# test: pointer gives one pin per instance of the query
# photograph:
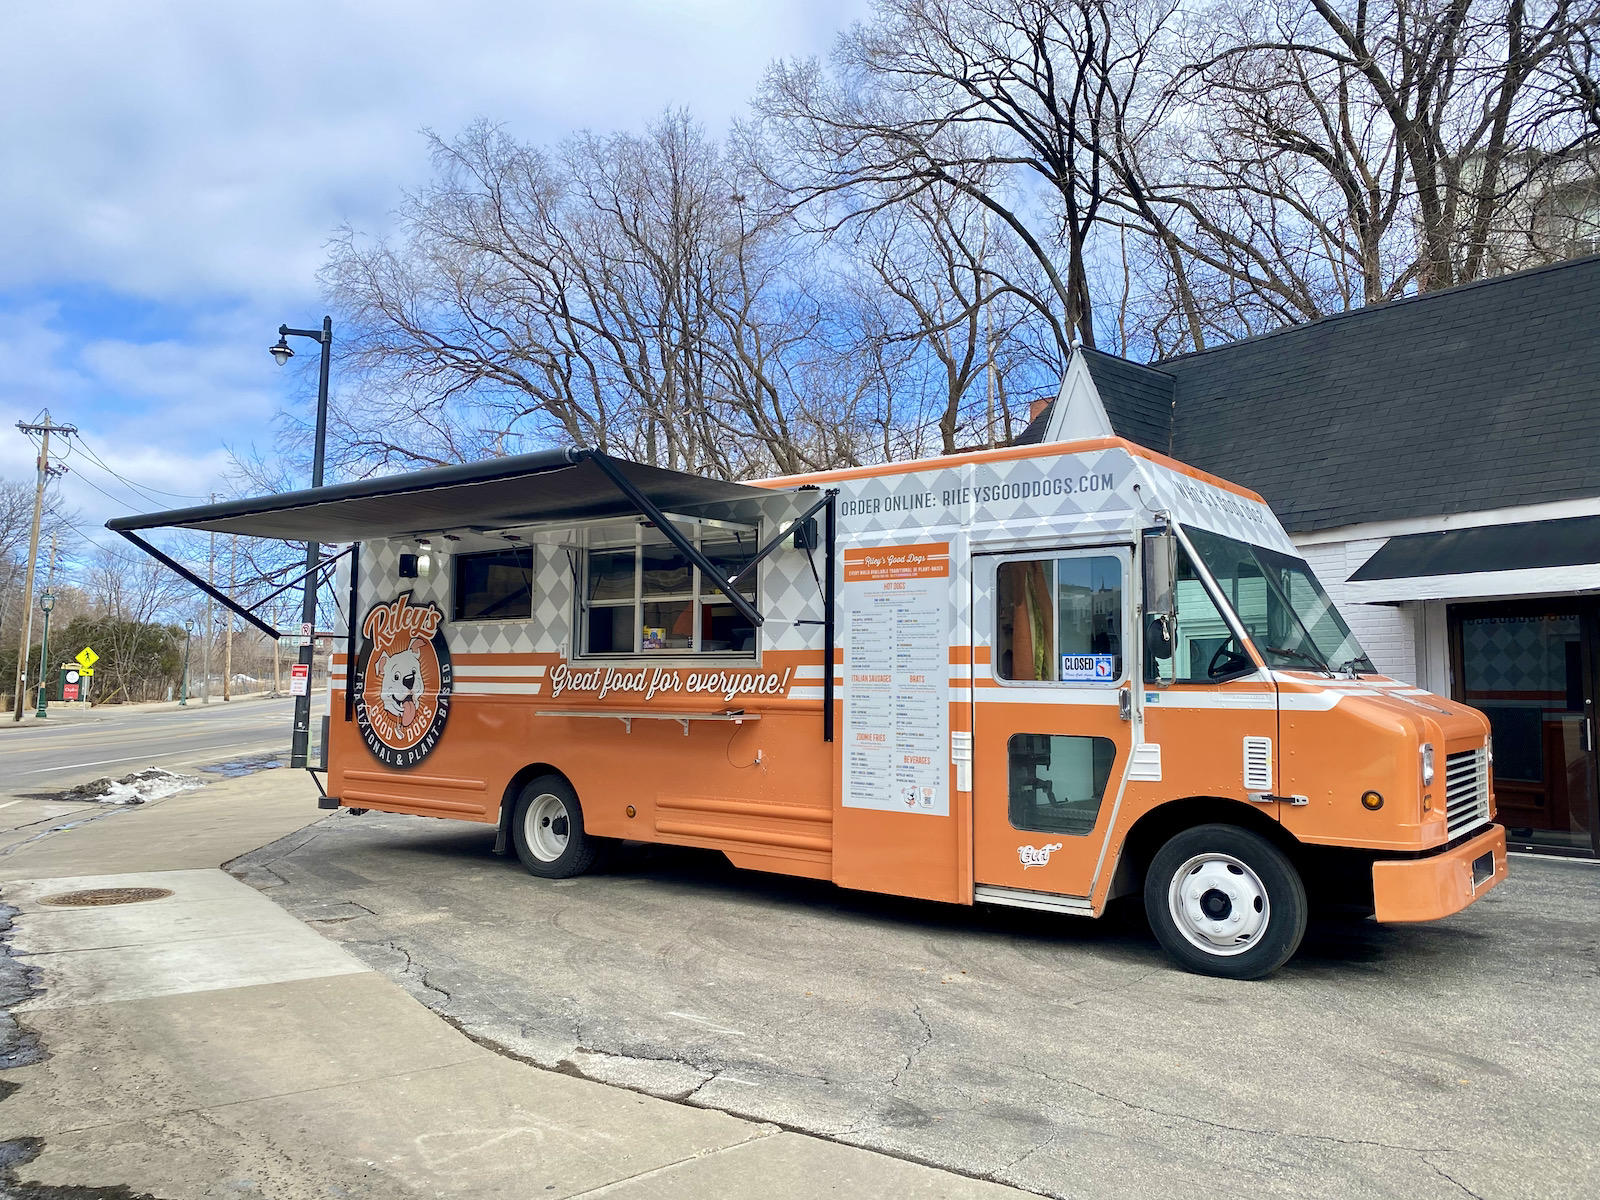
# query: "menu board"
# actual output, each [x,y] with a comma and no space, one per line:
[897,678]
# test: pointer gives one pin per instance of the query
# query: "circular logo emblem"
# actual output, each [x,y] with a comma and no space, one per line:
[403,681]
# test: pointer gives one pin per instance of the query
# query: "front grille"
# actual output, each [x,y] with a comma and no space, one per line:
[1466,789]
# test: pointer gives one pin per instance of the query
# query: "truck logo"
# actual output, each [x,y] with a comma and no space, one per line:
[402,681]
[1037,856]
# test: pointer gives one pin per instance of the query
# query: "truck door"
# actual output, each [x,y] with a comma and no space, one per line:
[1053,649]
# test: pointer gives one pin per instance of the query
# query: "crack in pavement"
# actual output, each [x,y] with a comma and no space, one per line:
[1440,1171]
[413,969]
[1282,1133]
[911,1056]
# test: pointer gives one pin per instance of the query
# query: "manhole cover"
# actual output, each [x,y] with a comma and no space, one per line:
[95,897]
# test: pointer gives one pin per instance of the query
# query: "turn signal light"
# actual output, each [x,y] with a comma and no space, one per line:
[1371,801]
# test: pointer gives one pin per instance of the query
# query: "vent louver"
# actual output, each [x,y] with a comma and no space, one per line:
[1257,764]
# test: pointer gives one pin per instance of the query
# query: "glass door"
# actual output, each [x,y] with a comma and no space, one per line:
[1530,667]
[1051,739]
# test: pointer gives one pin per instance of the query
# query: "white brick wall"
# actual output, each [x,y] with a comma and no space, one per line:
[1386,632]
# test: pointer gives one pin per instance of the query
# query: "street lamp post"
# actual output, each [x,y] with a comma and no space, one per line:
[46,602]
[300,745]
[183,687]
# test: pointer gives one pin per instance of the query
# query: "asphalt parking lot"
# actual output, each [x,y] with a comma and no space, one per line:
[1059,1055]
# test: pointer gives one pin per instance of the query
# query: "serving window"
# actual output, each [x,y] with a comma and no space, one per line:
[495,586]
[645,597]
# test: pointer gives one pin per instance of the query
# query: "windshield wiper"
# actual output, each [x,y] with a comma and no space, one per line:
[1316,661]
[1349,668]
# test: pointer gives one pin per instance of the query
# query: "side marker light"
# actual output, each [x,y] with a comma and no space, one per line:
[1371,801]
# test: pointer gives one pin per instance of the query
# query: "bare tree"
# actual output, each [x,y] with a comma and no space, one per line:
[991,98]
[939,276]
[630,292]
[1318,155]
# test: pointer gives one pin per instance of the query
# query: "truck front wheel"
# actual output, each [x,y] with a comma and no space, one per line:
[1224,901]
[547,830]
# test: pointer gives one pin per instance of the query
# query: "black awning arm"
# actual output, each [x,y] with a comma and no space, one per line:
[647,508]
[350,642]
[778,541]
[829,631]
[322,565]
[223,598]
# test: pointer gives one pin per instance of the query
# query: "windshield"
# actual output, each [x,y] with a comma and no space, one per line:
[1282,606]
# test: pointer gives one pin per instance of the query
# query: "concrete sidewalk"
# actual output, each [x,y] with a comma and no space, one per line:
[205,1043]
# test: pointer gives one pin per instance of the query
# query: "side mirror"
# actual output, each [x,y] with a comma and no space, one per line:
[1158,637]
[1161,574]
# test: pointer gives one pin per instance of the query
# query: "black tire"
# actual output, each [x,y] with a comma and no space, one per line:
[547,830]
[1243,914]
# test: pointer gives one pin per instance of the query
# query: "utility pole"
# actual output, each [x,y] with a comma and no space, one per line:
[46,428]
[227,621]
[211,578]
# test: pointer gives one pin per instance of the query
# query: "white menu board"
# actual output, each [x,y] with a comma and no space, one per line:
[897,678]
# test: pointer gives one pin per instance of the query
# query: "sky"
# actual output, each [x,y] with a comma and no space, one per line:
[173,172]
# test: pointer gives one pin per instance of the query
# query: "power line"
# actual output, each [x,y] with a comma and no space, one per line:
[142,489]
[115,500]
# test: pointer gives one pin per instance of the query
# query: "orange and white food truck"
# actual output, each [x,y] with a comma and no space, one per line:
[1047,676]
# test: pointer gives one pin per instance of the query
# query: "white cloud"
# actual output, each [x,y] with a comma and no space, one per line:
[175,168]
[170,148]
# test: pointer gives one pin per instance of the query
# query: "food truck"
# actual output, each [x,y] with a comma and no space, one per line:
[1047,676]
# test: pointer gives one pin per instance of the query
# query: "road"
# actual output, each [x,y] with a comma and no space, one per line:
[46,757]
[1064,1056]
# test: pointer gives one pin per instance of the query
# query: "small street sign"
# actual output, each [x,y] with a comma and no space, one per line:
[299,680]
[86,672]
[305,629]
[87,657]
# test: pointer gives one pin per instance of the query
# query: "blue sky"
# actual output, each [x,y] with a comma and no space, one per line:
[172,172]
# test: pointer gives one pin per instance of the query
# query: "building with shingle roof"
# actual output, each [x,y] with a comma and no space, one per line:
[1437,460]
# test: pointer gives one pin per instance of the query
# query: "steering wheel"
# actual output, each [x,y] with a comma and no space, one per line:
[1229,659]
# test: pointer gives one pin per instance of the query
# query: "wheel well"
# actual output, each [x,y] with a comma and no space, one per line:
[508,798]
[1151,831]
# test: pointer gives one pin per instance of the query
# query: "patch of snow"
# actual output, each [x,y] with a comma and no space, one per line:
[152,783]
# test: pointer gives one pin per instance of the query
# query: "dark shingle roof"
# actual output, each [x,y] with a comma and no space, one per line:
[1482,396]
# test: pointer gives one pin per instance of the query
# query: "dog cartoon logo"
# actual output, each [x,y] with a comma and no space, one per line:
[402,681]
[401,673]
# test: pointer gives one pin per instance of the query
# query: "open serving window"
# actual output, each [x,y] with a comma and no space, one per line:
[639,593]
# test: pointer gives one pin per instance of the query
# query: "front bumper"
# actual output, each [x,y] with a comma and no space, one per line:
[1425,889]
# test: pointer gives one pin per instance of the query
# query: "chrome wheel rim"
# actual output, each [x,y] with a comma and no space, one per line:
[547,827]
[1219,904]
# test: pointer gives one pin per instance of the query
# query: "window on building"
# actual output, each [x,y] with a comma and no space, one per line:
[648,598]
[1059,620]
[496,586]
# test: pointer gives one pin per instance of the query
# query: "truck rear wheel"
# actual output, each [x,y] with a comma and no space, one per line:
[1224,901]
[547,830]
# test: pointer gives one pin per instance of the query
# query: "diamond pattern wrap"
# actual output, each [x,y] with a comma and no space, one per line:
[973,505]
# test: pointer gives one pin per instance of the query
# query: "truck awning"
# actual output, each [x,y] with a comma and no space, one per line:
[504,494]
[1526,558]
[498,493]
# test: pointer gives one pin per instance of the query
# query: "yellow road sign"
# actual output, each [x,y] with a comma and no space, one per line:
[87,656]
[85,671]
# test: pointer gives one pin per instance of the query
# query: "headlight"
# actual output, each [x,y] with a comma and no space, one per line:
[1427,764]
